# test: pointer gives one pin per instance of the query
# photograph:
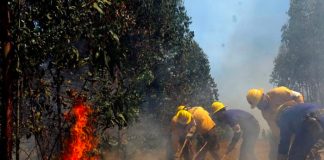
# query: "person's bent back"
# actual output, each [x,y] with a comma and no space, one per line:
[243,124]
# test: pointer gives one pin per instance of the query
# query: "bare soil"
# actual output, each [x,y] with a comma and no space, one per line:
[261,150]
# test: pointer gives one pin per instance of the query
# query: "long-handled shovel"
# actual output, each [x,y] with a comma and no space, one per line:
[181,150]
[196,155]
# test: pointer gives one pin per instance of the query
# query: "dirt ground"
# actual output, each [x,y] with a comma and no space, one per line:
[261,151]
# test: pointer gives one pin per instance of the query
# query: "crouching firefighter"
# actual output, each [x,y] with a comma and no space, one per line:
[177,138]
[243,124]
[197,122]
[306,122]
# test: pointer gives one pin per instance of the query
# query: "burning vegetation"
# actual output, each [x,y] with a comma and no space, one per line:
[81,143]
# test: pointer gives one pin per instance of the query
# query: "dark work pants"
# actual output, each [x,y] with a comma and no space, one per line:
[212,145]
[171,153]
[306,137]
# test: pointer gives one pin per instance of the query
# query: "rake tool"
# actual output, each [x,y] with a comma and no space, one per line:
[196,155]
[181,150]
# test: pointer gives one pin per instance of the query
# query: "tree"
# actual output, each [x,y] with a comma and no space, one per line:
[6,110]
[65,45]
[298,64]
[122,55]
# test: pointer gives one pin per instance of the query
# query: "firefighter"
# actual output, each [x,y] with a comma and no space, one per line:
[178,136]
[268,104]
[196,121]
[305,122]
[243,124]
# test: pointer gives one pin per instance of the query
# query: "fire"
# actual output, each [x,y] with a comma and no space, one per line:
[82,142]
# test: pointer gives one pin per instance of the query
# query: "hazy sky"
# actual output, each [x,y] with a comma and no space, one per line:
[241,39]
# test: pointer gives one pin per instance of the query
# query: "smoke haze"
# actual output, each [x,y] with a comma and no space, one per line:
[241,40]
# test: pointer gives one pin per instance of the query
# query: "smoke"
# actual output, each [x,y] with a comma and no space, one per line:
[241,40]
[145,140]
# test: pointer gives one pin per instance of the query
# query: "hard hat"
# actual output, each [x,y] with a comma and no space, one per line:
[254,96]
[183,117]
[181,108]
[217,106]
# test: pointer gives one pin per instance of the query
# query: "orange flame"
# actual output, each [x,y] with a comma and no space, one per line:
[82,142]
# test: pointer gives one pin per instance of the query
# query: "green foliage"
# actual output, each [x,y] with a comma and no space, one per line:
[299,62]
[122,55]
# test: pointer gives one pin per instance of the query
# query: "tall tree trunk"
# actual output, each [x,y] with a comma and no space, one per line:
[6,141]
[17,127]
[59,105]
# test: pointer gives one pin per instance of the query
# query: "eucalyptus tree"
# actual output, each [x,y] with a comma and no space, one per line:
[7,80]
[299,62]
[121,55]
[175,75]
[63,45]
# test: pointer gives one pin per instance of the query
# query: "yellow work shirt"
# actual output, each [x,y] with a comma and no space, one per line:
[204,122]
[279,96]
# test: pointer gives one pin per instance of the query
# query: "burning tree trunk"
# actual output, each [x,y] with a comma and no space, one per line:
[6,111]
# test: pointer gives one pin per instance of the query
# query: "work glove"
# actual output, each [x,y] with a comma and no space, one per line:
[282,157]
[189,135]
[234,141]
[236,137]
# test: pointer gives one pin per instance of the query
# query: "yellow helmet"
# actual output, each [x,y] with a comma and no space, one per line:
[181,108]
[183,117]
[254,96]
[217,106]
